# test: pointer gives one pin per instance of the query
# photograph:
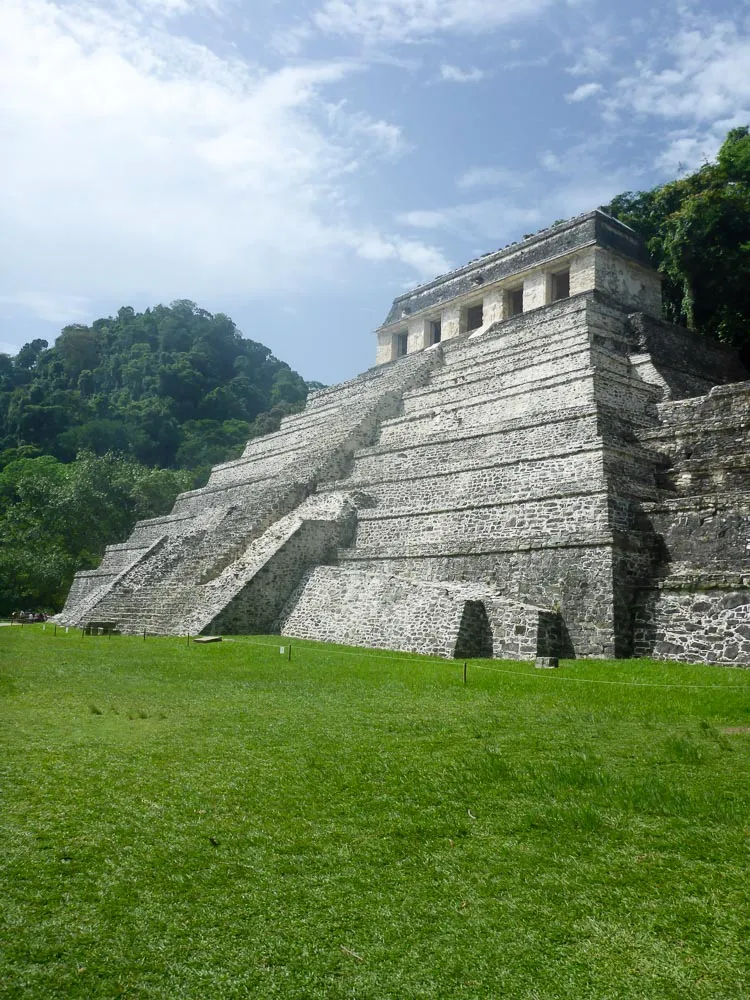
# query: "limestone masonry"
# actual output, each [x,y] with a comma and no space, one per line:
[538,465]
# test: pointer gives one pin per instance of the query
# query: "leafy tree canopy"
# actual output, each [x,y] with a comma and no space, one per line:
[174,386]
[56,518]
[697,230]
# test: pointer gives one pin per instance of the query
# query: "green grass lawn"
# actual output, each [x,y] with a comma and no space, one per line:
[216,822]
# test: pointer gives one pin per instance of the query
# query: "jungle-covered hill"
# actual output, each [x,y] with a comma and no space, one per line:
[174,387]
[110,423]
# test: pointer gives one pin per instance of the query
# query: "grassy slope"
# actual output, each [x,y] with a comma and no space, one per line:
[214,822]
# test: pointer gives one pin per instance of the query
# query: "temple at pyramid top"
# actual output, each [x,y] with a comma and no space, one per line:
[588,253]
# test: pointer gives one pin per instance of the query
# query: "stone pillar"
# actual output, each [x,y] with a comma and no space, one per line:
[419,335]
[535,290]
[451,321]
[494,307]
[583,271]
[384,351]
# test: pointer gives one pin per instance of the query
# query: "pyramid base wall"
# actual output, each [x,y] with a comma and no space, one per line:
[384,611]
[692,625]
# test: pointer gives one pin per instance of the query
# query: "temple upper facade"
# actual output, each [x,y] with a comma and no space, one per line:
[591,252]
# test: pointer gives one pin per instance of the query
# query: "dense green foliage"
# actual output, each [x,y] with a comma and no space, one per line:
[84,423]
[56,518]
[697,230]
[174,387]
[214,822]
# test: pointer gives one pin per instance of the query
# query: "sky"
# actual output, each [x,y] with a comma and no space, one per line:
[298,163]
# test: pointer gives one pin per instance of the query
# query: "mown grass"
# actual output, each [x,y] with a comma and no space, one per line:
[216,822]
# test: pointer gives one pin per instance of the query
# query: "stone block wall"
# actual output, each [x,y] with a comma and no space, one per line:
[680,621]
[382,611]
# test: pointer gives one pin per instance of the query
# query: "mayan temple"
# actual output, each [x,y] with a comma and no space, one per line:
[537,465]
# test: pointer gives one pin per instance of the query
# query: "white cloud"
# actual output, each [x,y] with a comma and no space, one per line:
[454,74]
[415,20]
[489,177]
[705,75]
[425,219]
[139,165]
[384,137]
[698,80]
[590,60]
[428,261]
[489,220]
[290,41]
[551,161]
[173,8]
[564,185]
[583,92]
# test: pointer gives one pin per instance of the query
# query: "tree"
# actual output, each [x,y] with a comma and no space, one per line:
[697,230]
[28,356]
[56,518]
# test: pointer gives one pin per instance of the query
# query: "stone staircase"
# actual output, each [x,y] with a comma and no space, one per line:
[167,588]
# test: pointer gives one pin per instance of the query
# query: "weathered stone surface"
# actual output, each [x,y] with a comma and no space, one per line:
[572,480]
[546,663]
[382,611]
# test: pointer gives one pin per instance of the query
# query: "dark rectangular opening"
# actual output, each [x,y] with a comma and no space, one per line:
[561,285]
[515,301]
[436,331]
[474,317]
[400,344]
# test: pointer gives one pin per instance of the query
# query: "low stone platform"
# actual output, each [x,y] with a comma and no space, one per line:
[385,611]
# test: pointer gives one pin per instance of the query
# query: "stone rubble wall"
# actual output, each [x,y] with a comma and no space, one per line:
[459,487]
[499,469]
[498,443]
[459,528]
[252,591]
[380,611]
[697,606]
[691,623]
[90,587]
[572,575]
[688,364]
[706,531]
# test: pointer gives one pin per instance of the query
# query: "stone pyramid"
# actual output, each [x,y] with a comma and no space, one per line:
[537,466]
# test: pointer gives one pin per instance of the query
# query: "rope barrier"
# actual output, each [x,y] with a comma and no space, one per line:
[536,675]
